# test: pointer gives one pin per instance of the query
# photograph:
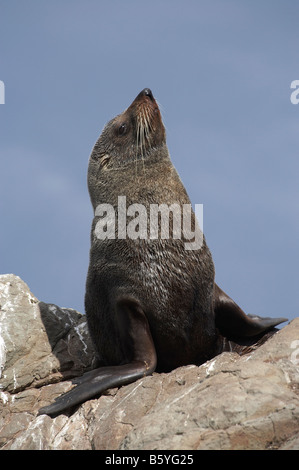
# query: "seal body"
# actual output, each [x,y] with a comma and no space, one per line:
[166,286]
[151,304]
[173,286]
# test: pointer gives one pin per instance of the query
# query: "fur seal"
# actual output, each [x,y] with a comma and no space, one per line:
[150,303]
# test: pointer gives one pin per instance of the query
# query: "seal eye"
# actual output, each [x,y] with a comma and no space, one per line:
[122,129]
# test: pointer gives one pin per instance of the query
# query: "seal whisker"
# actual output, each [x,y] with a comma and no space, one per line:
[147,128]
[141,133]
[137,144]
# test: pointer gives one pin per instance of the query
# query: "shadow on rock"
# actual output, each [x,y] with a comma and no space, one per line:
[69,339]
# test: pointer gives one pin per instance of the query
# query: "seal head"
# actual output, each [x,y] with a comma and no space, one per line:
[132,135]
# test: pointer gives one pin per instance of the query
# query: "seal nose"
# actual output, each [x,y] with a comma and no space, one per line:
[148,92]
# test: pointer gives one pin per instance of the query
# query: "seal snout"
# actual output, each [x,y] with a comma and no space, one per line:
[146,92]
[144,112]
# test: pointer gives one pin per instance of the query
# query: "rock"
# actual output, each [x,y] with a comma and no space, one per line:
[40,343]
[230,402]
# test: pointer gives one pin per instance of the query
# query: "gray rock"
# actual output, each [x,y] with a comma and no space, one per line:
[39,343]
[230,402]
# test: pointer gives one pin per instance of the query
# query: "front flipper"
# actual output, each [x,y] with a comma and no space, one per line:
[136,342]
[232,322]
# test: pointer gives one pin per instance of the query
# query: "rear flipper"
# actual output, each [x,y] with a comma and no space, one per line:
[95,382]
[233,323]
[137,343]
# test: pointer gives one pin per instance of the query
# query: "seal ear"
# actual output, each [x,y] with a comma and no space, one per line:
[104,160]
[233,323]
[137,344]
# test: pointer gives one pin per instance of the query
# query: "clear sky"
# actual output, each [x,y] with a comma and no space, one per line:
[221,70]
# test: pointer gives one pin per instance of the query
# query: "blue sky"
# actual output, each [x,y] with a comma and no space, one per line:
[221,71]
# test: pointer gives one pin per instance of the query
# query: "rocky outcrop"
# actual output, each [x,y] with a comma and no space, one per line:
[230,402]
